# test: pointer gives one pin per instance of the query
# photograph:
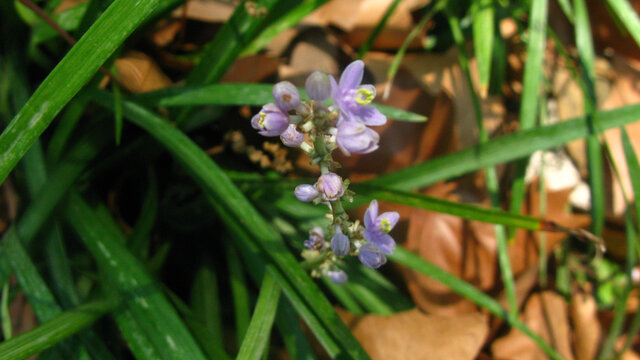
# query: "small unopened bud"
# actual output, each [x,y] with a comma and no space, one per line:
[292,137]
[338,276]
[306,192]
[330,186]
[340,243]
[318,86]
[286,95]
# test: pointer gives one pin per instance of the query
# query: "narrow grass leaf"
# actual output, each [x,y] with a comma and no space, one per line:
[584,43]
[52,332]
[376,31]
[5,316]
[283,23]
[73,71]
[239,291]
[240,94]
[117,106]
[292,334]
[264,314]
[344,297]
[634,168]
[506,148]
[140,238]
[205,301]
[68,19]
[532,80]
[154,314]
[628,16]
[483,15]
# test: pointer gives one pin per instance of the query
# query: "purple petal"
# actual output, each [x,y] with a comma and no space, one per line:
[384,242]
[338,276]
[391,216]
[352,75]
[371,116]
[371,257]
[371,214]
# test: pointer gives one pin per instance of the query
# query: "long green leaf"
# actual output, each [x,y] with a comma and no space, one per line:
[629,17]
[376,31]
[232,206]
[506,148]
[73,71]
[239,292]
[240,94]
[584,43]
[531,90]
[160,324]
[483,14]
[59,328]
[634,168]
[264,314]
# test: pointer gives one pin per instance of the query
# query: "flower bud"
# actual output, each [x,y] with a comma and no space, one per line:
[306,192]
[355,137]
[292,137]
[271,121]
[318,86]
[286,95]
[371,257]
[330,186]
[316,239]
[338,277]
[340,243]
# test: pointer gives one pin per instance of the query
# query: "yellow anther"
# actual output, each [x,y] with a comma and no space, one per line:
[261,119]
[385,225]
[365,96]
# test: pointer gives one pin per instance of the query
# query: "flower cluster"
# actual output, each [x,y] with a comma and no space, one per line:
[318,129]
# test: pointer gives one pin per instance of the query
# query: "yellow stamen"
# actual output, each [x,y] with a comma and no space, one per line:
[365,96]
[261,119]
[385,225]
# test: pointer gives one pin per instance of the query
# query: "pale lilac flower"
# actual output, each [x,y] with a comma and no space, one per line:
[338,277]
[377,228]
[316,239]
[330,186]
[306,192]
[340,243]
[292,137]
[286,95]
[271,120]
[355,137]
[371,257]
[318,86]
[353,99]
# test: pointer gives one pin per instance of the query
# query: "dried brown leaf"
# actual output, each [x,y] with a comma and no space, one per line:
[140,73]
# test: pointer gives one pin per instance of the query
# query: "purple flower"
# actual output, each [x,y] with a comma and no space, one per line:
[338,276]
[318,86]
[271,120]
[355,137]
[377,228]
[316,239]
[286,95]
[306,192]
[292,137]
[330,186]
[371,257]
[353,99]
[340,243]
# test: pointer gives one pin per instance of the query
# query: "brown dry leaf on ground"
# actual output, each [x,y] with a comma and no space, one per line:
[415,335]
[546,314]
[586,326]
[140,73]
[468,248]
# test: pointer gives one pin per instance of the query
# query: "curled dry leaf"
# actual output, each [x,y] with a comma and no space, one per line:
[140,73]
[546,314]
[415,335]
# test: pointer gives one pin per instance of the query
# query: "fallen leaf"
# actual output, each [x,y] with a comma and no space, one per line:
[546,315]
[586,327]
[140,73]
[415,335]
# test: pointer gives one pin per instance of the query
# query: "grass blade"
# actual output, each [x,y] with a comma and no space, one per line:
[291,332]
[634,168]
[376,31]
[483,14]
[532,81]
[283,22]
[264,314]
[239,292]
[628,16]
[206,304]
[240,94]
[53,331]
[506,148]
[584,43]
[73,71]
[152,311]
[5,317]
